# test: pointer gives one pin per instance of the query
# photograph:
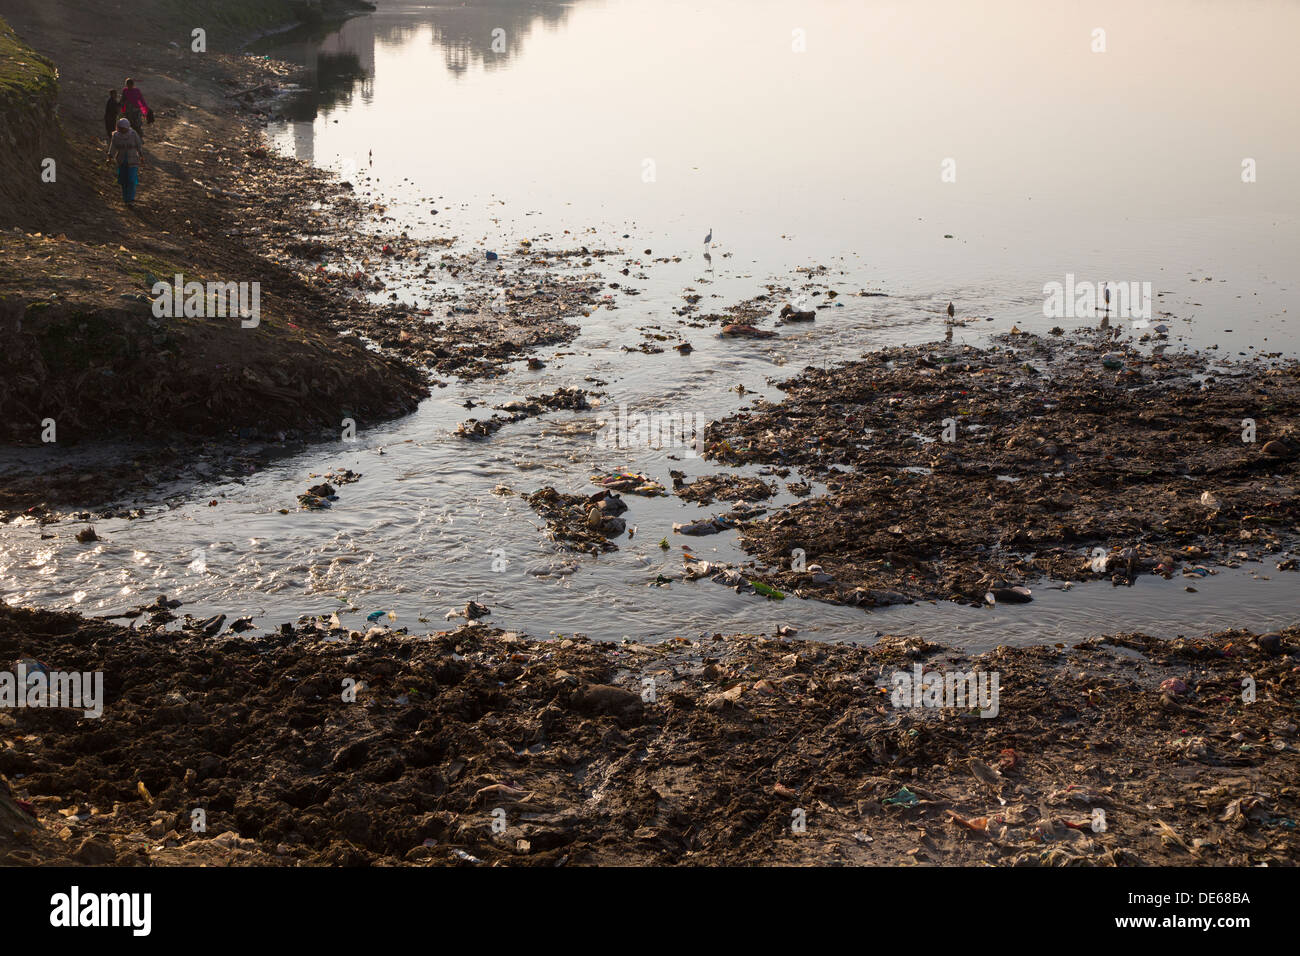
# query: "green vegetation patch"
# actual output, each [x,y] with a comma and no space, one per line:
[23,71]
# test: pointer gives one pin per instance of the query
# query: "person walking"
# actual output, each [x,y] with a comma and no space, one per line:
[112,110]
[134,107]
[127,149]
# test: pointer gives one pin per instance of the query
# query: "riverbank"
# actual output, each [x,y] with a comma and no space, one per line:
[340,741]
[85,357]
[320,744]
[189,397]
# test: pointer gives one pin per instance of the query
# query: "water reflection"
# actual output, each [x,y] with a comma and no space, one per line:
[340,58]
[490,32]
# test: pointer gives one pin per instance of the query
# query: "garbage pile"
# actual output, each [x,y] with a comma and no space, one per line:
[947,467]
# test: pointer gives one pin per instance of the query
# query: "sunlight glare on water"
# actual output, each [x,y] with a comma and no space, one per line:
[1122,165]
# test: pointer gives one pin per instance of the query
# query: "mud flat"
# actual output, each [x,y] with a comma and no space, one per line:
[954,470]
[477,747]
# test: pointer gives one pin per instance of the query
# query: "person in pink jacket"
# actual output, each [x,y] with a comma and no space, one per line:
[134,108]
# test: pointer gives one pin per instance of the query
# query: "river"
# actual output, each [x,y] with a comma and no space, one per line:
[930,152]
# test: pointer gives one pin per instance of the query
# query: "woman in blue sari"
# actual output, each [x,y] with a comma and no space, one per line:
[126,148]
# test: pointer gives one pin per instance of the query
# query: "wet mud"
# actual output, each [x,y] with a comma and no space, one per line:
[321,744]
[953,471]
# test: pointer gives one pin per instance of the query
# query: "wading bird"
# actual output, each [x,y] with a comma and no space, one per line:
[951,310]
[708,240]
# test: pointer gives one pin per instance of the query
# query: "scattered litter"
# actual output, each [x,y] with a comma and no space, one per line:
[904,798]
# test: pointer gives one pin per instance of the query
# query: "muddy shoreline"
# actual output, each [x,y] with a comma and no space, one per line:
[955,471]
[343,745]
[217,205]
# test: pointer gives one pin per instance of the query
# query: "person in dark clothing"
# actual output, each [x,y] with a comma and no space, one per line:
[112,110]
